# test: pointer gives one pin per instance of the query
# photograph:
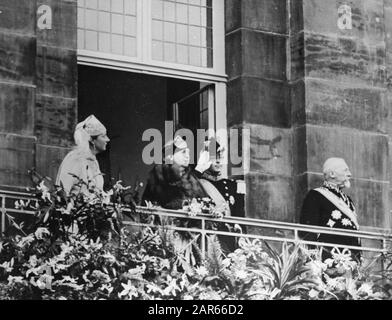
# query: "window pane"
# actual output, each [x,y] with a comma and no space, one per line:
[182,13]
[169,52]
[91,4]
[81,39]
[195,2]
[91,40]
[204,58]
[104,42]
[104,5]
[194,15]
[157,50]
[169,33]
[130,7]
[117,44]
[91,19]
[130,46]
[104,21]
[182,54]
[117,23]
[117,6]
[169,11]
[182,34]
[195,57]
[203,17]
[157,9]
[113,26]
[186,24]
[194,36]
[80,18]
[130,26]
[157,30]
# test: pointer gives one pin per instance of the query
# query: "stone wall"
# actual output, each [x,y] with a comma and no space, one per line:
[259,98]
[38,86]
[346,100]
[296,72]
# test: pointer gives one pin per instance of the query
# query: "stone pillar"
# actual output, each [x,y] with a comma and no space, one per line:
[56,100]
[303,71]
[388,43]
[17,91]
[259,91]
[346,98]
[38,86]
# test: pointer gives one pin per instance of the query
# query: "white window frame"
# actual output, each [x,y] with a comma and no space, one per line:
[143,63]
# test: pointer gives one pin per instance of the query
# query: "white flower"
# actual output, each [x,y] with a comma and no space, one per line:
[12,280]
[171,288]
[106,196]
[188,297]
[241,274]
[201,271]
[331,223]
[317,267]
[366,288]
[346,222]
[129,290]
[40,232]
[313,293]
[45,191]
[336,214]
[107,287]
[232,200]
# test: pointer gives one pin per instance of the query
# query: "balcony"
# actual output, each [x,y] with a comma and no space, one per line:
[374,242]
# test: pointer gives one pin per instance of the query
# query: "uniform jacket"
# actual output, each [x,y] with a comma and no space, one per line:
[229,190]
[318,210]
[82,164]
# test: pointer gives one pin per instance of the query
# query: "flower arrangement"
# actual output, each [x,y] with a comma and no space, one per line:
[78,249]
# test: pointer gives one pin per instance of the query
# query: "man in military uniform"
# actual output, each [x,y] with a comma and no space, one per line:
[329,206]
[209,169]
[222,191]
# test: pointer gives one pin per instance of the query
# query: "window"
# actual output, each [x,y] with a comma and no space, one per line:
[182,32]
[183,36]
[108,26]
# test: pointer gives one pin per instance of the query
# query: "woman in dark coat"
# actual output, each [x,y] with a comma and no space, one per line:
[169,185]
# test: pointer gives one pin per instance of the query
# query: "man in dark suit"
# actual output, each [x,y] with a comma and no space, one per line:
[329,206]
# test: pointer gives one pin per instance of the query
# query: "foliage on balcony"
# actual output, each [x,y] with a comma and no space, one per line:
[78,249]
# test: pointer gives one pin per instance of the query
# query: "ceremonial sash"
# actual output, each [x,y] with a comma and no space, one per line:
[213,193]
[340,204]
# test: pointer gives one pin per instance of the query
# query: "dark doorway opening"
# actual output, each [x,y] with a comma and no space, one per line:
[128,104]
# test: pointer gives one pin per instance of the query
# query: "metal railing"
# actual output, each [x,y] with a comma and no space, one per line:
[373,242]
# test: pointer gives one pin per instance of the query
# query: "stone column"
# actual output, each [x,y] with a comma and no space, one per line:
[303,71]
[346,98]
[56,100]
[17,91]
[259,91]
[38,86]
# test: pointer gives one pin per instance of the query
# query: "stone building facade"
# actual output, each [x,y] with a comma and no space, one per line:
[311,75]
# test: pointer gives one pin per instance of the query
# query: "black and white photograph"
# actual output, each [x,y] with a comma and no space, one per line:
[215,151]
